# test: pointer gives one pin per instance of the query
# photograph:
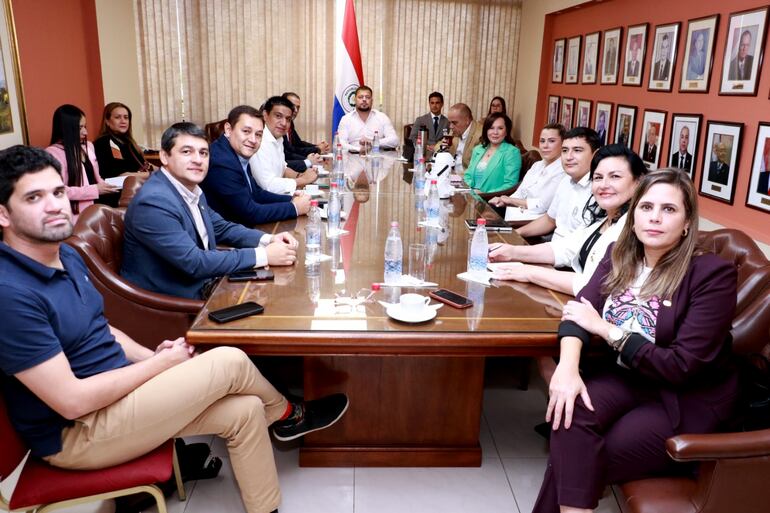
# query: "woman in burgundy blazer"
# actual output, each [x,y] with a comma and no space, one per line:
[666,312]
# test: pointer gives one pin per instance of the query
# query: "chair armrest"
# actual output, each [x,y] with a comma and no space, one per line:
[486,196]
[719,445]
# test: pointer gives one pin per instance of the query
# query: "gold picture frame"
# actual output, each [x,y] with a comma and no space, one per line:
[13,119]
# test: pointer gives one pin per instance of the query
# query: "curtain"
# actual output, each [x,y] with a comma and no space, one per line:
[200,58]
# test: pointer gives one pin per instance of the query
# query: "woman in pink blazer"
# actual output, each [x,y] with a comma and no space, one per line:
[73,151]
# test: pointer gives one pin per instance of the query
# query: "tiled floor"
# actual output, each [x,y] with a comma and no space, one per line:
[508,480]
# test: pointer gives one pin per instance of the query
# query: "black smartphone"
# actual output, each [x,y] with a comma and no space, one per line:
[451,298]
[252,275]
[232,313]
[496,225]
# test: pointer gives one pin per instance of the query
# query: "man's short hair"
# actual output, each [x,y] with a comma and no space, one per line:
[558,127]
[464,110]
[18,161]
[168,138]
[589,135]
[436,94]
[289,94]
[240,110]
[745,33]
[363,88]
[275,101]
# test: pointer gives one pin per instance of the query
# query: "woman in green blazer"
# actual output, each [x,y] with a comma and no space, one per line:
[495,163]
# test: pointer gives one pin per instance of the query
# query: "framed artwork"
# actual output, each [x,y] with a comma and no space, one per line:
[625,118]
[590,56]
[698,55]
[743,52]
[13,122]
[651,141]
[602,121]
[553,110]
[683,150]
[573,60]
[584,113]
[567,112]
[558,61]
[611,55]
[720,160]
[664,57]
[758,195]
[633,66]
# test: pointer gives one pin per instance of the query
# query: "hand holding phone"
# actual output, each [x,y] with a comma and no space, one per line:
[451,298]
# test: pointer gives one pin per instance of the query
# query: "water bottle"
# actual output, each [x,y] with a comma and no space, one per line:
[394,255]
[419,177]
[477,263]
[376,142]
[434,203]
[336,144]
[418,148]
[333,208]
[338,172]
[313,233]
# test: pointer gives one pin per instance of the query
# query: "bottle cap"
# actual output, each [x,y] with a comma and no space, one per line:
[433,182]
[422,160]
[313,203]
[481,221]
[333,185]
[394,224]
[375,287]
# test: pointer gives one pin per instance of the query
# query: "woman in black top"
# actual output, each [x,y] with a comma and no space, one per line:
[116,150]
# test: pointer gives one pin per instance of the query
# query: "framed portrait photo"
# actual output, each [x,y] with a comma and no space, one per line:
[651,141]
[611,55]
[758,195]
[633,65]
[553,110]
[683,150]
[13,120]
[664,57]
[573,60]
[558,61]
[743,52]
[720,160]
[602,121]
[698,55]
[625,119]
[583,113]
[567,112]
[590,57]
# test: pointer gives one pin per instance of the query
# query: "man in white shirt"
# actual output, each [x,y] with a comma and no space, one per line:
[357,128]
[268,165]
[535,193]
[565,215]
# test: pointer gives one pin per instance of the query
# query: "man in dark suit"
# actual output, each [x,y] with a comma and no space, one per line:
[650,150]
[229,186]
[171,234]
[681,158]
[434,121]
[662,68]
[719,170]
[601,127]
[300,155]
[610,57]
[634,66]
[740,66]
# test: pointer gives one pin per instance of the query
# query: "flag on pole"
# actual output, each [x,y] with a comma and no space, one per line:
[348,73]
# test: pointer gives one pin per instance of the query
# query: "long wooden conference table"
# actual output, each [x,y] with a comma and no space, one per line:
[415,389]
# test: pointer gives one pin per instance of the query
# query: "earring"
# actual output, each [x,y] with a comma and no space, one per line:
[686,231]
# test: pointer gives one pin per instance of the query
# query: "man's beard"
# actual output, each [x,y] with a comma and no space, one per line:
[364,109]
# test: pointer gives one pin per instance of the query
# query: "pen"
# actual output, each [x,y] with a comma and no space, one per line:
[442,171]
[491,249]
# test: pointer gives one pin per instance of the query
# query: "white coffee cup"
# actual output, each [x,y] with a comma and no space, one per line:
[413,303]
[312,189]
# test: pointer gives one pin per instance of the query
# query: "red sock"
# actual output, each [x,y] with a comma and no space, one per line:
[288,412]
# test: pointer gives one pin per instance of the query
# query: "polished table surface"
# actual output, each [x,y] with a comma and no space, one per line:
[381,363]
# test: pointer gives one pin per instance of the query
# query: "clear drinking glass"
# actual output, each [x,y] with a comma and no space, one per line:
[417,261]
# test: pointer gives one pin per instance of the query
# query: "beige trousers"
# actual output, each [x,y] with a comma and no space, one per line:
[219,392]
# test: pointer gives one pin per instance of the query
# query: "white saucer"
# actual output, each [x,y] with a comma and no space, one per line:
[397,313]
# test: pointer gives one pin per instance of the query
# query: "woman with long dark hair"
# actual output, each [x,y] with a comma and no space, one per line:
[80,170]
[664,306]
[495,162]
[116,149]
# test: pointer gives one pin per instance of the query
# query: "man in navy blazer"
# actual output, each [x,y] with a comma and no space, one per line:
[300,155]
[229,186]
[171,234]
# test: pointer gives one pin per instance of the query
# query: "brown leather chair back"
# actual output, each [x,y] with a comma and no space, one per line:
[102,230]
[215,129]
[527,159]
[408,131]
[131,186]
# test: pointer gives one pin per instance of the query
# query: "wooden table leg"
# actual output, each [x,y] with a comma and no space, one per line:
[404,411]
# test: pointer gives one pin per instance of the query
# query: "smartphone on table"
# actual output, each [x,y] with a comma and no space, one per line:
[252,275]
[451,298]
[235,312]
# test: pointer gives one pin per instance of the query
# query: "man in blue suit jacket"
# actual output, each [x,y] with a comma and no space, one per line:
[171,234]
[229,186]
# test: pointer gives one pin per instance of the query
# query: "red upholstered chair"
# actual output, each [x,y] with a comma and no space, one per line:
[44,488]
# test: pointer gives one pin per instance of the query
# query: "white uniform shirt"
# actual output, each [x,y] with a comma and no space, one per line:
[268,165]
[539,185]
[351,129]
[567,205]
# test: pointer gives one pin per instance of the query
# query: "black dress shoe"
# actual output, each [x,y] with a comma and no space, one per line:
[310,416]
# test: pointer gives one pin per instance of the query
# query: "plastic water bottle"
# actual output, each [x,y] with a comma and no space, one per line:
[419,177]
[333,208]
[418,148]
[394,254]
[477,263]
[336,144]
[376,142]
[434,203]
[313,232]
[338,172]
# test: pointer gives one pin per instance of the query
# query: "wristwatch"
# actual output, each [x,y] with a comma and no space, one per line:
[616,336]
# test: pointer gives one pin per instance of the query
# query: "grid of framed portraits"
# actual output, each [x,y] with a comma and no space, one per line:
[651,141]
[758,195]
[720,160]
[685,134]
[625,120]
